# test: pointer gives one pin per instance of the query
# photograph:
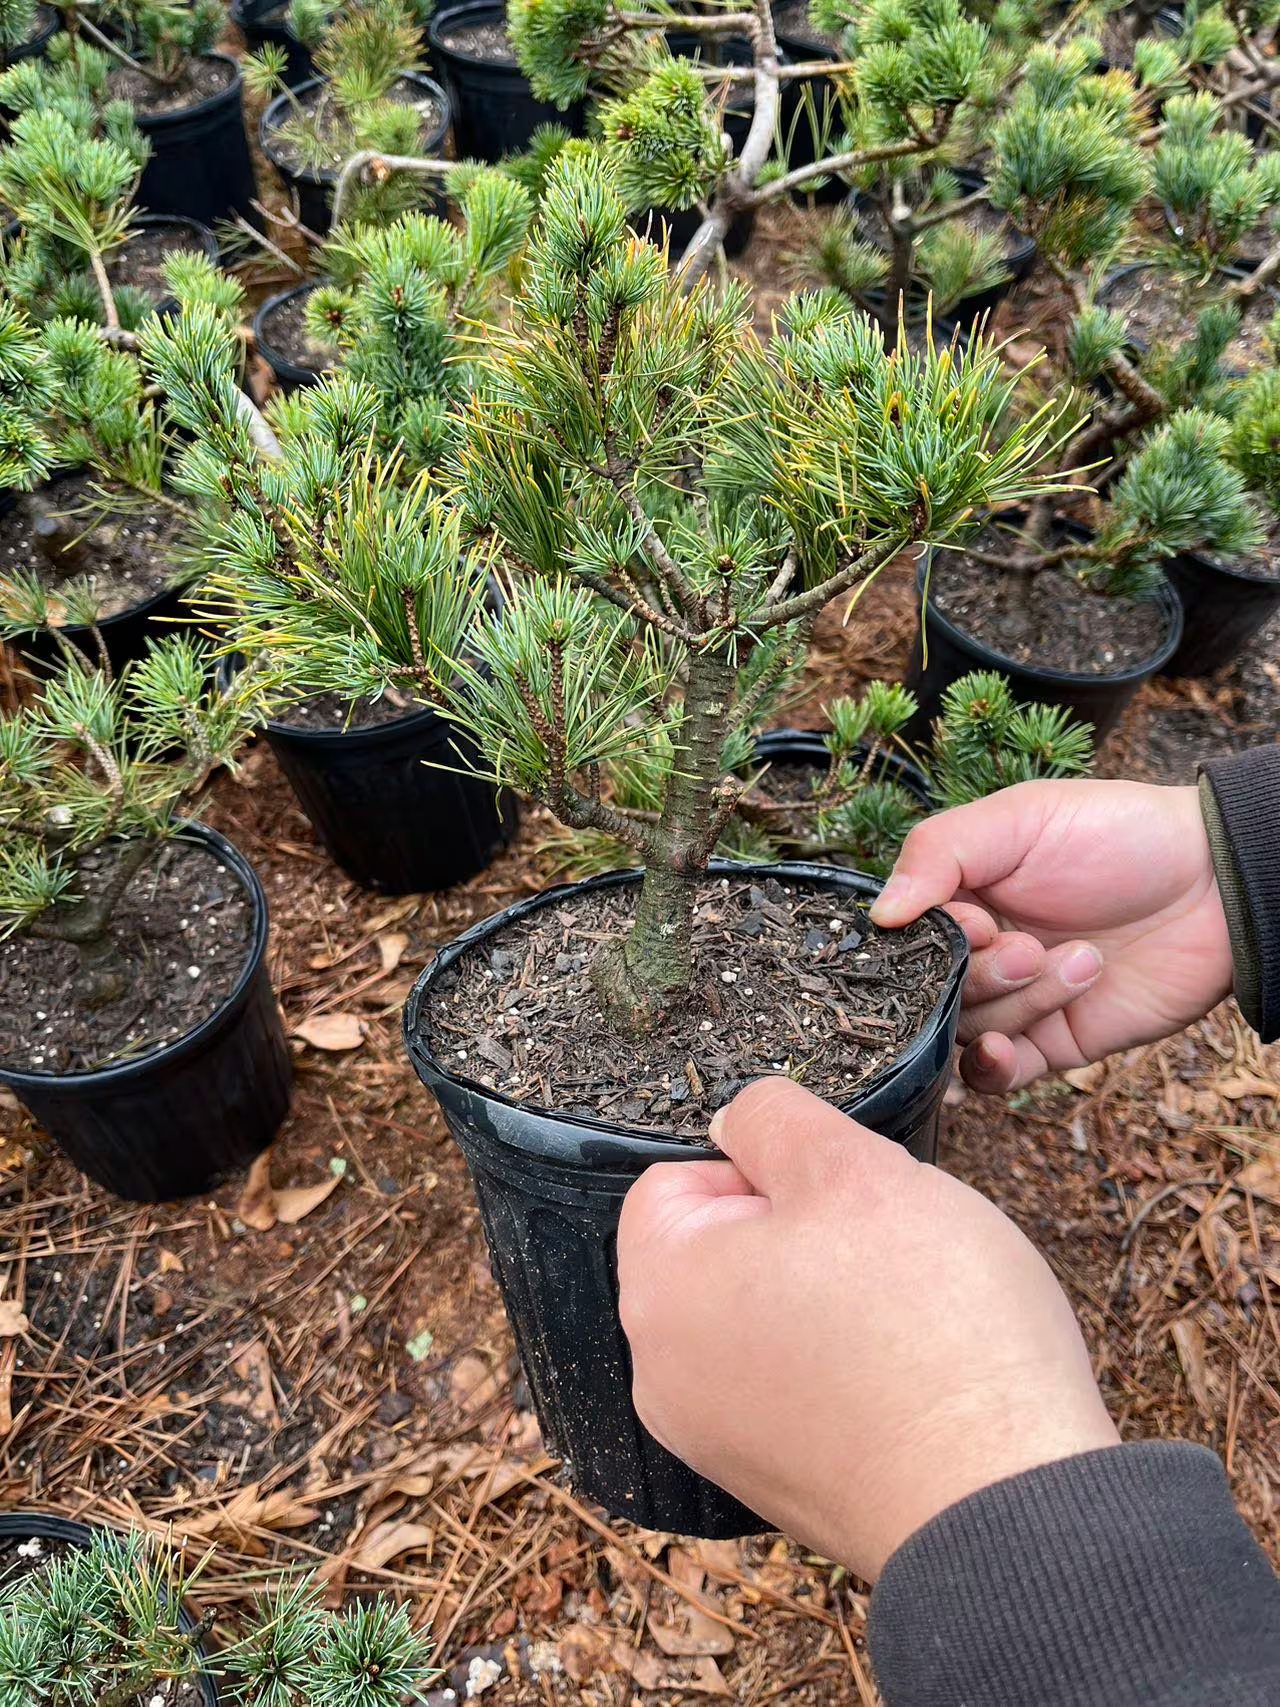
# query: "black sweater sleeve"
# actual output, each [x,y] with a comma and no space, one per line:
[1121,1578]
[1240,798]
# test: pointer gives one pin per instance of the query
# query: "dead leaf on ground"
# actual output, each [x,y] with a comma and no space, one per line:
[253,1367]
[699,1676]
[473,1385]
[722,1559]
[1246,1085]
[331,1032]
[12,1320]
[695,1633]
[295,1201]
[169,1263]
[1086,1079]
[247,1511]
[1188,1336]
[391,947]
[1261,1177]
[387,1541]
[257,1204]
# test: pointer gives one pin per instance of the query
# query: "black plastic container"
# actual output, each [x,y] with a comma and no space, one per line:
[386,807]
[1223,611]
[179,1120]
[550,1188]
[314,190]
[495,111]
[951,653]
[199,163]
[49,23]
[262,23]
[807,747]
[289,374]
[196,236]
[71,1534]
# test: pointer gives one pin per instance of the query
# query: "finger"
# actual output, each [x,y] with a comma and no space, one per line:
[1012,961]
[674,1198]
[995,1064]
[977,924]
[1069,971]
[789,1142]
[967,848]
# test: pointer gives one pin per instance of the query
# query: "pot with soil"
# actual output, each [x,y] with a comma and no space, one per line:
[199,165]
[494,109]
[139,261]
[1156,310]
[558,1114]
[129,556]
[387,790]
[1056,641]
[46,25]
[311,181]
[266,22]
[1225,605]
[280,333]
[30,1542]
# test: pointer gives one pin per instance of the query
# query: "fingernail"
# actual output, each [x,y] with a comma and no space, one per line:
[1082,965]
[1017,963]
[716,1129]
[890,905]
[985,1056]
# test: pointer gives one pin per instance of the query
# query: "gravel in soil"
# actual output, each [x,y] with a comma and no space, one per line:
[201,78]
[489,42]
[328,128]
[1158,311]
[1260,564]
[182,930]
[787,979]
[1048,620]
[140,261]
[329,712]
[130,556]
[284,328]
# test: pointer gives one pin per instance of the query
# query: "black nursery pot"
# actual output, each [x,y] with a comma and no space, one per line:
[48,25]
[495,111]
[550,1188]
[199,163]
[1223,612]
[314,190]
[262,23]
[45,1526]
[181,1119]
[389,817]
[806,747]
[951,653]
[289,374]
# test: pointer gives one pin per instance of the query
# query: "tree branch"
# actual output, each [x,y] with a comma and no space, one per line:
[380,167]
[810,603]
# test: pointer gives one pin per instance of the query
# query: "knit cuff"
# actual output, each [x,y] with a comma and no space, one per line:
[1240,799]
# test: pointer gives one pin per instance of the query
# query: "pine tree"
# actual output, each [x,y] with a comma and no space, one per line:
[17,25]
[156,38]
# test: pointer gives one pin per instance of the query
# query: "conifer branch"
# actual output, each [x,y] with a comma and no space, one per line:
[379,168]
[859,568]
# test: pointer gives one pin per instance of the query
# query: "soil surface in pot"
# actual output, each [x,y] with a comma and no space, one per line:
[1260,564]
[200,79]
[285,329]
[329,127]
[331,712]
[129,556]
[140,261]
[18,1559]
[1158,312]
[182,929]
[788,978]
[487,41]
[794,22]
[1048,620]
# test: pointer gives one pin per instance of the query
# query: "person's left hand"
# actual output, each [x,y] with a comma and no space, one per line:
[844,1338]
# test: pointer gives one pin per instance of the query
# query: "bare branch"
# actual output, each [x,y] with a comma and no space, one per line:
[810,603]
[380,167]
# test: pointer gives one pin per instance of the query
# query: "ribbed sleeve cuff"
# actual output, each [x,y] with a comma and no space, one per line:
[1120,1578]
[1241,803]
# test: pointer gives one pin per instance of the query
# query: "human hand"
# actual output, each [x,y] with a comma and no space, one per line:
[1092,912]
[848,1340]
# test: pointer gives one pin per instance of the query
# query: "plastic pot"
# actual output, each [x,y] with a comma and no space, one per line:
[289,374]
[314,190]
[179,1120]
[550,1188]
[199,237]
[71,1534]
[941,653]
[263,22]
[392,804]
[1223,611]
[494,109]
[807,747]
[49,23]
[199,163]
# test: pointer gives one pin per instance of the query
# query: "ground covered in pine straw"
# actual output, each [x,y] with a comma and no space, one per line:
[339,1389]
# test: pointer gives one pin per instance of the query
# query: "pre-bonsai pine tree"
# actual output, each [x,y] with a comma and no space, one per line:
[659,497]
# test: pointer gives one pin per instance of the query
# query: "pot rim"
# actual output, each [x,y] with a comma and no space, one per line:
[1164,597]
[275,358]
[180,115]
[798,871]
[324,178]
[1200,561]
[482,11]
[111,1075]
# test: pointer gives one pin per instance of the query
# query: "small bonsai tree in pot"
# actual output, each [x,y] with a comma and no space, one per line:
[131,941]
[659,496]
[91,1615]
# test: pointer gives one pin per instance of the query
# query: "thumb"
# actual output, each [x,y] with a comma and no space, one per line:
[969,847]
[792,1145]
[674,1199]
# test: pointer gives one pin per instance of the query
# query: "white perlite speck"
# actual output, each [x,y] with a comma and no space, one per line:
[481,1675]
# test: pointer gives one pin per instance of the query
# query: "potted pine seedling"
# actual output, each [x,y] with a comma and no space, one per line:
[495,112]
[26,29]
[369,101]
[92,1615]
[266,23]
[658,496]
[139,1025]
[187,97]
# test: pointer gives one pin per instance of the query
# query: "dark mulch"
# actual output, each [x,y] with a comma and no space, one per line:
[140,261]
[182,930]
[787,980]
[200,79]
[489,42]
[284,329]
[330,711]
[1048,620]
[129,556]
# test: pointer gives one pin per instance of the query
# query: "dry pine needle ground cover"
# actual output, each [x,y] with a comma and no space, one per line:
[315,1368]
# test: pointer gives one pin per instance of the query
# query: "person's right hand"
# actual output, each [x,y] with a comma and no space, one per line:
[1092,912]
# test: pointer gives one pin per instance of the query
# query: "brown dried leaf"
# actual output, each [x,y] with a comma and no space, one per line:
[171,1264]
[1188,1336]
[253,1366]
[12,1320]
[694,1634]
[331,1032]
[1246,1085]
[295,1201]
[699,1676]
[473,1385]
[257,1204]
[1261,1177]
[1088,1078]
[387,1541]
[391,947]
[250,1510]
[721,1559]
